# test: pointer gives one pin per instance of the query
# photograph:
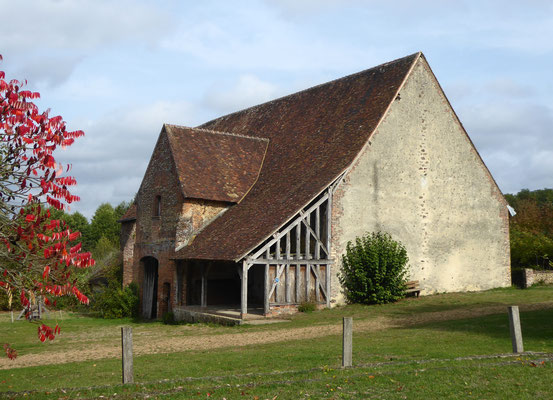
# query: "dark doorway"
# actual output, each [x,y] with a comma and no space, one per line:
[256,281]
[149,288]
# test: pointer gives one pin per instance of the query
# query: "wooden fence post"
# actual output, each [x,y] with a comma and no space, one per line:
[347,342]
[516,332]
[126,344]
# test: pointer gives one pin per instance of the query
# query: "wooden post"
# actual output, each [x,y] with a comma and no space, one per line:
[307,237]
[203,294]
[516,332]
[267,290]
[347,342]
[298,289]
[244,291]
[11,312]
[126,346]
[328,244]
[327,273]
[298,241]
[288,294]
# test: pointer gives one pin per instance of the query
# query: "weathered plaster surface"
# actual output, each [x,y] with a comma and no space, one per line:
[421,180]
[194,216]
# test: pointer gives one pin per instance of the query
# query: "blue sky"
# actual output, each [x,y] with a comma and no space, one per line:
[120,69]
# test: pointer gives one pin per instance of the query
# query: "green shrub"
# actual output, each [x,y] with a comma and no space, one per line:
[169,318]
[117,302]
[374,269]
[307,307]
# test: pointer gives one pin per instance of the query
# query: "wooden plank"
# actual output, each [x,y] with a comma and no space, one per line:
[244,291]
[126,349]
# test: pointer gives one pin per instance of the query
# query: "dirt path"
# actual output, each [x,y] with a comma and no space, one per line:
[145,344]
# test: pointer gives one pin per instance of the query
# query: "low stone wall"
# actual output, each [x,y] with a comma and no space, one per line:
[532,276]
[182,314]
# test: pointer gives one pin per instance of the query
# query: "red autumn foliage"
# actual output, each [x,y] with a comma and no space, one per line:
[36,253]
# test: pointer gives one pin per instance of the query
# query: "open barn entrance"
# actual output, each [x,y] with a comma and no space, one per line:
[149,287]
[212,289]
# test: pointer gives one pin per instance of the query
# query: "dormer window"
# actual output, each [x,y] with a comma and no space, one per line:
[157,206]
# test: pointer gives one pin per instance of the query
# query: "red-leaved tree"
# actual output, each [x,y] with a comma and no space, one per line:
[37,253]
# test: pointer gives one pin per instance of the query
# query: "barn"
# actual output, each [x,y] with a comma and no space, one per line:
[254,209]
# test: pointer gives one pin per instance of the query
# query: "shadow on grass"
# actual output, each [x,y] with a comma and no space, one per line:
[536,325]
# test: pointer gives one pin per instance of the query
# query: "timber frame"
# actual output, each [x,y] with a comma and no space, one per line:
[296,255]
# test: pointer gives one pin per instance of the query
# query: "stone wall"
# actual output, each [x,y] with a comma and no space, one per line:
[194,216]
[157,234]
[532,276]
[421,180]
[127,241]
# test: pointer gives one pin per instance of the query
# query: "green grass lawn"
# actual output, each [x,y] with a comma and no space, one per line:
[415,361]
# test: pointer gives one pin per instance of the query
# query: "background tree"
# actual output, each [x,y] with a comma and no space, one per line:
[37,256]
[531,229]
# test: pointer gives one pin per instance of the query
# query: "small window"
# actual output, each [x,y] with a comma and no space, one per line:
[157,207]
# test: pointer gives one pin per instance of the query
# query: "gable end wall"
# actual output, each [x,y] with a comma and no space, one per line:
[421,180]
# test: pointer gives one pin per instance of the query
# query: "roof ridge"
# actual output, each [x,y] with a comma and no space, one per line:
[257,106]
[217,132]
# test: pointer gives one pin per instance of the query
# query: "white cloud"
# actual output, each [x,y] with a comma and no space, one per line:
[248,91]
[48,38]
[110,160]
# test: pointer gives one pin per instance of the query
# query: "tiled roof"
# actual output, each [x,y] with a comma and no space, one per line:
[215,165]
[314,135]
[130,214]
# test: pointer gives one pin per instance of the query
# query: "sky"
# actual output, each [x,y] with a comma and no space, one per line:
[120,69]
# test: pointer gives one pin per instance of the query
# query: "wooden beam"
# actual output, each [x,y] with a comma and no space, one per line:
[277,235]
[203,294]
[328,247]
[317,238]
[318,278]
[292,262]
[318,251]
[244,290]
[278,273]
[266,285]
[298,283]
[298,241]
[307,238]
[288,294]
[318,232]
[307,281]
